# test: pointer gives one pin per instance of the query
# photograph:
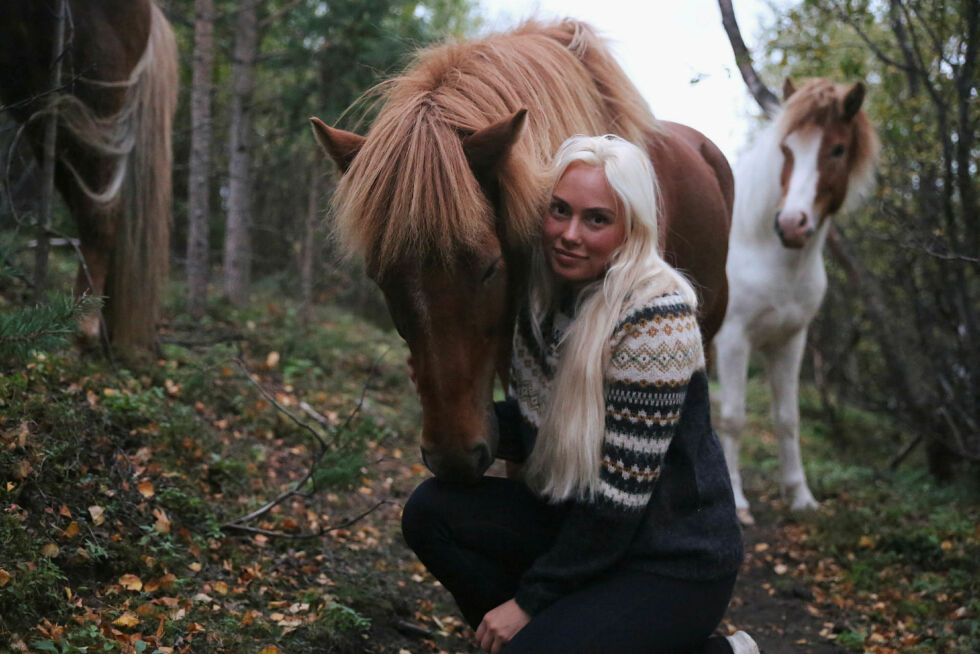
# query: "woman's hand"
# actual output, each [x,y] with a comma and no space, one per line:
[500,625]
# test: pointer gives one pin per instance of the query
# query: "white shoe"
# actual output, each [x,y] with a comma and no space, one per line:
[742,643]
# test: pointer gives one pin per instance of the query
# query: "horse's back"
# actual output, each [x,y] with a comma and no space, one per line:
[697,188]
[107,38]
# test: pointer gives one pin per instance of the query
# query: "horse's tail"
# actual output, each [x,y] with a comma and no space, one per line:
[626,112]
[140,257]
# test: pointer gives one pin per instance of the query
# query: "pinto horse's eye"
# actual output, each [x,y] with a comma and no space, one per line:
[838,151]
[490,271]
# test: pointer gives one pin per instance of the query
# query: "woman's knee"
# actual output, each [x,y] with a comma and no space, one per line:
[420,515]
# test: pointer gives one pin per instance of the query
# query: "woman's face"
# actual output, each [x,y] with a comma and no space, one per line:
[584,224]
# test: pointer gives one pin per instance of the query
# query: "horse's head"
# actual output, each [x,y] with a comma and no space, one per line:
[828,149]
[449,294]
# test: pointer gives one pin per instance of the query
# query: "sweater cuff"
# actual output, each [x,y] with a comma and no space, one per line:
[534,599]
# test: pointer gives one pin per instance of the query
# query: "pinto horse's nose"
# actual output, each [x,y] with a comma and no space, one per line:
[793,228]
[461,466]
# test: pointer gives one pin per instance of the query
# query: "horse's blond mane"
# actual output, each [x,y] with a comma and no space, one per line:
[819,102]
[410,188]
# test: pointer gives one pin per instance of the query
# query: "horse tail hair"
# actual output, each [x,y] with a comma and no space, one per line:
[627,113]
[140,257]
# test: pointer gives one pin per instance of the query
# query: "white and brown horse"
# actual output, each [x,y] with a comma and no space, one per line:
[816,159]
[114,111]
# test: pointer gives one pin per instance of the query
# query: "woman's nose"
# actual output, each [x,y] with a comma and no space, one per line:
[572,231]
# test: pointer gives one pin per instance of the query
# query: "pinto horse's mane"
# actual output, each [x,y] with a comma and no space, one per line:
[819,102]
[410,188]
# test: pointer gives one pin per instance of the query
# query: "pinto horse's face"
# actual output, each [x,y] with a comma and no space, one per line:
[454,312]
[818,157]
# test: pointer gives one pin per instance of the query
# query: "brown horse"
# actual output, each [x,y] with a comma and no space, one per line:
[444,196]
[115,111]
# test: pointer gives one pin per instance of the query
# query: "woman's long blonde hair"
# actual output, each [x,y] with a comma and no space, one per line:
[565,462]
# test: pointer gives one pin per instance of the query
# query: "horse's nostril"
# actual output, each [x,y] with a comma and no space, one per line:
[482,456]
[802,220]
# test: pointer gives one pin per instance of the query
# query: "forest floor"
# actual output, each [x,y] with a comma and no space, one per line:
[123,494]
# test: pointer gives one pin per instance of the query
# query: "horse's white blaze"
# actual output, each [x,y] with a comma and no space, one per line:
[801,191]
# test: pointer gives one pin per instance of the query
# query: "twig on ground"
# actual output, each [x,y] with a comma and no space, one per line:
[315,534]
[238,523]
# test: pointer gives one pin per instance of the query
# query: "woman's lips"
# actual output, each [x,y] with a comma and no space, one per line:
[567,257]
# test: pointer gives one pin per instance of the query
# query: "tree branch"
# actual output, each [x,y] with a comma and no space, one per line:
[766,99]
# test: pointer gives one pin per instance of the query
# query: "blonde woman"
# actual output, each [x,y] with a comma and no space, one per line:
[622,536]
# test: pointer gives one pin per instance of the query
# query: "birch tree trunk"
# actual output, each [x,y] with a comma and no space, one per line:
[47,175]
[198,205]
[309,233]
[238,247]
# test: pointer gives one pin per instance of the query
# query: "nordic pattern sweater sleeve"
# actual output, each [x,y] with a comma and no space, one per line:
[654,351]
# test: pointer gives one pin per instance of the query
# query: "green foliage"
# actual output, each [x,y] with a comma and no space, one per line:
[44,327]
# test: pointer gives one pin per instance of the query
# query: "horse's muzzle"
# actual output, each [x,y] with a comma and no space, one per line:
[460,466]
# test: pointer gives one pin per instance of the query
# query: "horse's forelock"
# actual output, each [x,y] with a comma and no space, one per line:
[409,192]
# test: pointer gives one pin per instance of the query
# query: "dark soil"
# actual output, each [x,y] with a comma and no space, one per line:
[773,609]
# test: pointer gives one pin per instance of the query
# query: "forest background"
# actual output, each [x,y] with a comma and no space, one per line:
[891,368]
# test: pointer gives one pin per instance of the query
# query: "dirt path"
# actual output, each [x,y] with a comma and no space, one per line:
[769,603]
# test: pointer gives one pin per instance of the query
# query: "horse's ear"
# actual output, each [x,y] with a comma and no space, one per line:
[340,145]
[853,100]
[788,88]
[486,148]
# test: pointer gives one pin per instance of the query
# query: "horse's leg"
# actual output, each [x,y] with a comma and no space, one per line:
[732,349]
[91,277]
[784,378]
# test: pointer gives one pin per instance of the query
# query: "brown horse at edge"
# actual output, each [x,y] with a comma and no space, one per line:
[115,112]
[444,195]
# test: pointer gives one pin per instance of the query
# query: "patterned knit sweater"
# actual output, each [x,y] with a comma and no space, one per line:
[664,502]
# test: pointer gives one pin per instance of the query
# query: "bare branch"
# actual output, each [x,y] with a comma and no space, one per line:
[295,490]
[766,99]
[233,526]
[275,402]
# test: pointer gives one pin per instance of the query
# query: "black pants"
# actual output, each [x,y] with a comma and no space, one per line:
[478,540]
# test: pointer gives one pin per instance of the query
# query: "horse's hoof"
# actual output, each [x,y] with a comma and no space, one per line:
[803,504]
[745,517]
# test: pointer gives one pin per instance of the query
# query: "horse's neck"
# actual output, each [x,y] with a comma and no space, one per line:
[757,192]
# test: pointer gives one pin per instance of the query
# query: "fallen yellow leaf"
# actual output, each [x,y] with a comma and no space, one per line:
[127,619]
[50,550]
[97,513]
[146,489]
[272,360]
[131,582]
[221,587]
[271,649]
[4,577]
[163,522]
[71,530]
[65,511]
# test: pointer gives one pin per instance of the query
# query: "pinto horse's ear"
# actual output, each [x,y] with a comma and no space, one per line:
[340,145]
[788,89]
[853,100]
[486,148]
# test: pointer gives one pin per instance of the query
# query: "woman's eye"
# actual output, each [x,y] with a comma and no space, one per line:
[558,209]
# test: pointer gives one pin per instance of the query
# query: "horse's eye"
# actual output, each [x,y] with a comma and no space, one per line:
[838,151]
[490,271]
